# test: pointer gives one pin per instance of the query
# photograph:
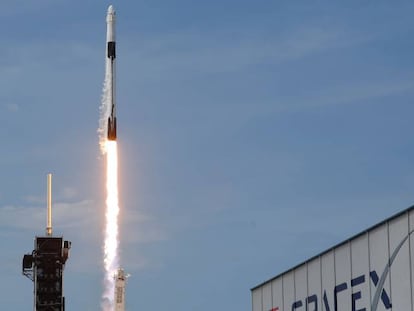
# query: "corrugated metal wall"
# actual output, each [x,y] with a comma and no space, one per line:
[349,277]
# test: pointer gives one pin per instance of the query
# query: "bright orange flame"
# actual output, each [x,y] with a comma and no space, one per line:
[112,210]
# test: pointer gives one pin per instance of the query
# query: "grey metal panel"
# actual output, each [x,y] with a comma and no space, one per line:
[328,279]
[277,293]
[411,246]
[378,255]
[257,299]
[400,267]
[301,287]
[288,290]
[342,277]
[314,283]
[267,297]
[360,267]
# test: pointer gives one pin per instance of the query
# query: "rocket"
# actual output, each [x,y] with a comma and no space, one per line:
[111,56]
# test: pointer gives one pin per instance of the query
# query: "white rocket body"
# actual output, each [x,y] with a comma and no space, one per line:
[110,59]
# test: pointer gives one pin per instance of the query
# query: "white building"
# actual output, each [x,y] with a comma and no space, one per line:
[373,270]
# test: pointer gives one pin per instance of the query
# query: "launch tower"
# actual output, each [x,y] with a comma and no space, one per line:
[45,265]
[120,282]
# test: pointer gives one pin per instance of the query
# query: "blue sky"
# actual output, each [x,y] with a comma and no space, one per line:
[252,135]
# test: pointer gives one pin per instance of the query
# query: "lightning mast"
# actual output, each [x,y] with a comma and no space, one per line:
[45,265]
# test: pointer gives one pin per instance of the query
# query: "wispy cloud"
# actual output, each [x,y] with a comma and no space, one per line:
[12,107]
[68,215]
[212,54]
[13,7]
[82,223]
[352,93]
[139,228]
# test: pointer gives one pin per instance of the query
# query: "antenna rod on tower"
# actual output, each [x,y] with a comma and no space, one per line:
[49,205]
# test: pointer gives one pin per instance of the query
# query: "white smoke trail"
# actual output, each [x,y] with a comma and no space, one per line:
[111,259]
[105,108]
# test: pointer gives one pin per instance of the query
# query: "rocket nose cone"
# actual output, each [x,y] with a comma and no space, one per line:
[111,9]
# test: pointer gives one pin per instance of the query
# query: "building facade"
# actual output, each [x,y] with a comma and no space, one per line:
[371,271]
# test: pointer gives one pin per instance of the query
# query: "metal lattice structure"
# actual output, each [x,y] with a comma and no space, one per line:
[45,268]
